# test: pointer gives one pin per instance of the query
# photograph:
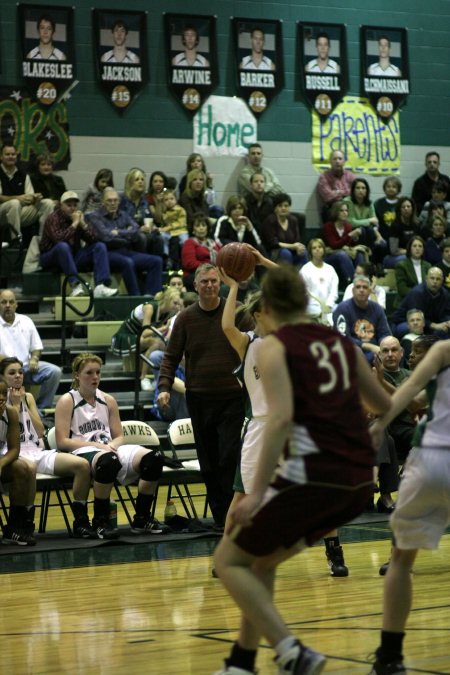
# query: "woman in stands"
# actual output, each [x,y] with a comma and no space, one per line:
[361,214]
[40,460]
[412,270]
[281,233]
[92,198]
[198,249]
[45,181]
[341,240]
[135,203]
[157,185]
[193,199]
[236,226]
[196,161]
[405,226]
[87,424]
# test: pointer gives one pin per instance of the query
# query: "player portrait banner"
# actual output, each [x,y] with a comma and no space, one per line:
[48,51]
[191,58]
[259,61]
[120,39]
[370,144]
[33,129]
[384,68]
[323,64]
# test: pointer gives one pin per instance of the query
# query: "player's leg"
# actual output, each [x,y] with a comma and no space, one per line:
[66,464]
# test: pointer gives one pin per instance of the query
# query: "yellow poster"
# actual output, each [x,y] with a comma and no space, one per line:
[370,145]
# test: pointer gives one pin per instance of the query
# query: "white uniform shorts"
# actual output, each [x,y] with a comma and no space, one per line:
[250,451]
[422,511]
[43,459]
[126,455]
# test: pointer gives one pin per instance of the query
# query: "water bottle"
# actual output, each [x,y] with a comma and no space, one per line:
[112,513]
[170,511]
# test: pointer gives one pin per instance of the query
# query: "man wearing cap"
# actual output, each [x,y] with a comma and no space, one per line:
[60,246]
[19,204]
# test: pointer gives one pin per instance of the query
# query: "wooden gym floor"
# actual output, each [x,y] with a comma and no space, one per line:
[157,610]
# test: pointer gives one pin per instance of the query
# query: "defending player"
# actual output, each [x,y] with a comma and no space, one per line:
[423,506]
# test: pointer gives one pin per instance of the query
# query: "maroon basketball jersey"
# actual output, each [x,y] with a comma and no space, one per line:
[328,416]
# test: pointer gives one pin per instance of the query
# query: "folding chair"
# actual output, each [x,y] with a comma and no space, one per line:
[57,484]
[182,443]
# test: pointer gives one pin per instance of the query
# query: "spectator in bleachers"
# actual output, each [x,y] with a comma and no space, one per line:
[17,476]
[39,460]
[120,233]
[87,424]
[177,408]
[20,338]
[92,198]
[61,247]
[405,226]
[385,206]
[433,299]
[433,253]
[342,243]
[50,185]
[134,201]
[20,205]
[378,294]
[362,320]
[196,161]
[123,343]
[444,263]
[439,194]
[334,184]
[193,199]
[434,211]
[200,248]
[361,215]
[236,226]
[421,192]
[259,204]
[281,235]
[416,327]
[157,184]
[402,428]
[412,269]
[321,283]
[173,229]
[254,165]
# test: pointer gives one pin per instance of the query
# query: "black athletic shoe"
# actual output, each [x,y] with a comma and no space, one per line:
[83,530]
[335,559]
[18,537]
[384,568]
[151,526]
[393,668]
[103,529]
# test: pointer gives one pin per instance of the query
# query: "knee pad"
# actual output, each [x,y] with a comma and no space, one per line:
[107,468]
[151,466]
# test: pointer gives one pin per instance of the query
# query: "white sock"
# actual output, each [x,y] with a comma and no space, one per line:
[286,644]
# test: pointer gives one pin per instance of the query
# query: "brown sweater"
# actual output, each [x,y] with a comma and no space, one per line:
[210,359]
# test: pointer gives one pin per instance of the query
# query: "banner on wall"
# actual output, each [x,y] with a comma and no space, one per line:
[323,64]
[258,61]
[191,57]
[384,68]
[370,145]
[33,129]
[121,54]
[48,51]
[224,127]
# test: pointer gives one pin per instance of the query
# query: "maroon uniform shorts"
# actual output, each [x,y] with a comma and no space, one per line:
[296,512]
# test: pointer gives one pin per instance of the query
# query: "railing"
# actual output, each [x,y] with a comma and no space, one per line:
[65,352]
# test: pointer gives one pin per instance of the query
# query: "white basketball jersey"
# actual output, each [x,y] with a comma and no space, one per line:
[90,423]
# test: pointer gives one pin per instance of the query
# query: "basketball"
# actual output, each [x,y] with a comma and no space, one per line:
[237,261]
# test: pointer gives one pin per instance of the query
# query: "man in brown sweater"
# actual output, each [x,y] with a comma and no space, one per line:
[213,394]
